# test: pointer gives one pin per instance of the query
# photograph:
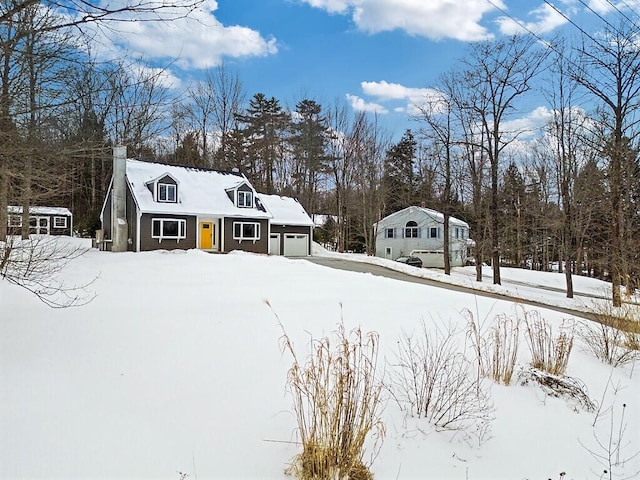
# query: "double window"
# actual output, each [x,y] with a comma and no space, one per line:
[246,231]
[167,192]
[245,199]
[168,228]
[411,230]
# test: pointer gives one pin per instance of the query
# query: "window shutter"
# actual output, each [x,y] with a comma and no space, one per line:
[403,230]
[438,232]
[419,232]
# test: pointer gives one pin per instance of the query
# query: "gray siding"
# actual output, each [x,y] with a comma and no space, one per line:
[147,243]
[132,223]
[281,229]
[260,246]
[106,217]
[59,231]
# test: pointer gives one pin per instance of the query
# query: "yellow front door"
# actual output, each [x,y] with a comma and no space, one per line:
[206,235]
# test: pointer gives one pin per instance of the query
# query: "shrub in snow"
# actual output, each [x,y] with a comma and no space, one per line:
[571,389]
[496,352]
[549,353]
[614,337]
[35,264]
[613,451]
[337,402]
[432,379]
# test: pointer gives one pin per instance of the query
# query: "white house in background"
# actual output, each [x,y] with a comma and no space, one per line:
[419,231]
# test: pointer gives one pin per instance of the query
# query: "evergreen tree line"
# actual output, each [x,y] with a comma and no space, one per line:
[565,194]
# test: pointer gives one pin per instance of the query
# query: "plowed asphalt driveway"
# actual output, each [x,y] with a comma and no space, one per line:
[351,266]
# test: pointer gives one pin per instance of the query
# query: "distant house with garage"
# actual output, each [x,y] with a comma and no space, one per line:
[153,206]
[420,232]
[42,220]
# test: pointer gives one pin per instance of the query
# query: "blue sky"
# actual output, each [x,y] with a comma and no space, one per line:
[375,55]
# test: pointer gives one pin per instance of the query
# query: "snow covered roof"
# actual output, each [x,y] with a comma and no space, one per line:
[39,210]
[200,192]
[286,210]
[432,214]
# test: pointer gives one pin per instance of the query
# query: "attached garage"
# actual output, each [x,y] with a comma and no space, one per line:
[274,244]
[296,245]
[291,229]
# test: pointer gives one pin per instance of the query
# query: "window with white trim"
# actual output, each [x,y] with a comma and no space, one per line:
[59,222]
[245,199]
[246,231]
[389,233]
[168,228]
[167,192]
[411,230]
[14,221]
[434,232]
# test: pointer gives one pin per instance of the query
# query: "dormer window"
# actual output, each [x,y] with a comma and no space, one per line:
[167,193]
[245,199]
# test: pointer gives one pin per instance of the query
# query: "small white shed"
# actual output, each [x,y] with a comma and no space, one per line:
[419,231]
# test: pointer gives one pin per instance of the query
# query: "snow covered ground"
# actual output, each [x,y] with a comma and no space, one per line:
[176,366]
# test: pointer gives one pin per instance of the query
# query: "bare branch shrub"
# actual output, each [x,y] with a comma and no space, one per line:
[337,402]
[612,453]
[610,339]
[432,379]
[34,264]
[548,353]
[496,352]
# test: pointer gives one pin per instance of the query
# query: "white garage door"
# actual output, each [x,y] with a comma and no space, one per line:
[296,245]
[274,244]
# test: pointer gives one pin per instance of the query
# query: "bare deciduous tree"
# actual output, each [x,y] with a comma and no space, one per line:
[609,71]
[499,72]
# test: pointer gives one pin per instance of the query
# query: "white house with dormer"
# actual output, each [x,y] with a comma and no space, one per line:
[419,231]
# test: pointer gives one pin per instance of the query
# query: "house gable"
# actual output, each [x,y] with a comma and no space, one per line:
[165,189]
[242,196]
[420,229]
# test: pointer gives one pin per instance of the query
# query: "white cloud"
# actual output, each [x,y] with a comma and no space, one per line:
[197,41]
[600,6]
[433,19]
[331,6]
[546,19]
[414,97]
[361,105]
[529,124]
[165,77]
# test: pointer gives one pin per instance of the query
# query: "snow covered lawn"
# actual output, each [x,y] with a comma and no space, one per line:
[176,366]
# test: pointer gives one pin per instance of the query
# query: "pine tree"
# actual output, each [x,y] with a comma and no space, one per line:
[264,125]
[309,135]
[399,180]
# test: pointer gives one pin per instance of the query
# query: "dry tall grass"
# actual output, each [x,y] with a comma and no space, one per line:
[337,402]
[610,339]
[497,351]
[548,352]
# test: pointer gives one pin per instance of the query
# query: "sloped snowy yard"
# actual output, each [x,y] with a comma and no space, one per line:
[176,366]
